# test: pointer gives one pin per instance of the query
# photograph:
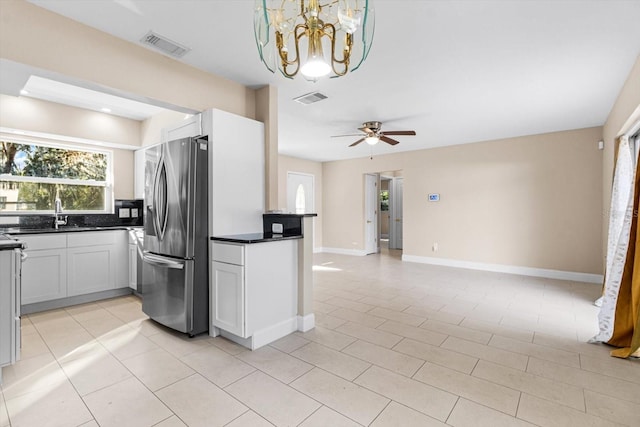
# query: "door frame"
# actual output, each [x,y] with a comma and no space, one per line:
[371,247]
[395,206]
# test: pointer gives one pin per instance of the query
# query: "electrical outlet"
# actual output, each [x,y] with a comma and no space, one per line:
[434,247]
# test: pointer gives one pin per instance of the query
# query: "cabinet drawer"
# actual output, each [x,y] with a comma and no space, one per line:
[44,242]
[228,253]
[93,238]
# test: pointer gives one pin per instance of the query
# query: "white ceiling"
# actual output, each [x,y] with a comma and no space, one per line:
[454,71]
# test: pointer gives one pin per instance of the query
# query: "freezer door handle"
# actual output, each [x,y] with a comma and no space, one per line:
[162,262]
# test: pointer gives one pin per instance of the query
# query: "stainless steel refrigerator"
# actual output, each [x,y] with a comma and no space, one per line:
[175,279]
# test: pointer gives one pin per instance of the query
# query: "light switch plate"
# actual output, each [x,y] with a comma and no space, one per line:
[124,213]
[134,212]
[276,228]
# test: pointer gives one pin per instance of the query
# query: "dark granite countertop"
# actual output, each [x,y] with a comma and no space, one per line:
[255,238]
[62,229]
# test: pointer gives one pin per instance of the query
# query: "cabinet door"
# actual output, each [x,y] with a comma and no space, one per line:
[138,174]
[183,129]
[133,267]
[227,297]
[91,269]
[6,317]
[44,275]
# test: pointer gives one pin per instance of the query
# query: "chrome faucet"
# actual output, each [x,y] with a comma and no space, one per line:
[57,211]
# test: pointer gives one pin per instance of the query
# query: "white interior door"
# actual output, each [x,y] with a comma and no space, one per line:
[395,228]
[370,214]
[300,193]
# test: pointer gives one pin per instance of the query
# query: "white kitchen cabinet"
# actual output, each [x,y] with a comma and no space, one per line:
[94,260]
[44,274]
[190,126]
[133,266]
[138,173]
[227,297]
[9,308]
[135,246]
[236,173]
[253,291]
[61,265]
[90,269]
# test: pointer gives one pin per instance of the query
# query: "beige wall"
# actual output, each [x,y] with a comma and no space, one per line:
[151,128]
[267,113]
[620,118]
[47,117]
[292,164]
[39,38]
[532,201]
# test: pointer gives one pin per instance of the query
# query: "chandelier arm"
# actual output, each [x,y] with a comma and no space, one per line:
[346,56]
[302,14]
[284,57]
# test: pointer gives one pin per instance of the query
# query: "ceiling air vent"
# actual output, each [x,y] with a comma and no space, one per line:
[164,45]
[310,98]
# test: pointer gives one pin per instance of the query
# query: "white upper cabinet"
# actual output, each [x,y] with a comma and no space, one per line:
[190,126]
[236,171]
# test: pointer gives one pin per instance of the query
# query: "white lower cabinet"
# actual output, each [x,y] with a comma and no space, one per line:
[63,265]
[91,261]
[254,290]
[227,297]
[44,273]
[90,269]
[133,266]
[9,308]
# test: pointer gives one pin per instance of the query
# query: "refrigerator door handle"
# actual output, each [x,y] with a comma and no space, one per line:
[162,261]
[160,202]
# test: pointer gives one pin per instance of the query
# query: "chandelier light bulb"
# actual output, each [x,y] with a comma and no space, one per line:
[314,68]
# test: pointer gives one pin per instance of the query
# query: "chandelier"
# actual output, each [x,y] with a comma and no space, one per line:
[314,37]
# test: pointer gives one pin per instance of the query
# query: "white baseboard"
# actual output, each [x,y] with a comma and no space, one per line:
[512,269]
[264,336]
[306,323]
[268,335]
[340,251]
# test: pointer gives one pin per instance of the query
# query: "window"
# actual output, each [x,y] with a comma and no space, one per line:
[33,175]
[300,200]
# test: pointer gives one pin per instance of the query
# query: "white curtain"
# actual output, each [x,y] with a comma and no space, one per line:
[620,218]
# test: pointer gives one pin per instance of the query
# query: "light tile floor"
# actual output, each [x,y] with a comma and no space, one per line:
[396,344]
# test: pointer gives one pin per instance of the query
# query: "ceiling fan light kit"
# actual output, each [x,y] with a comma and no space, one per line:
[338,36]
[373,134]
[372,140]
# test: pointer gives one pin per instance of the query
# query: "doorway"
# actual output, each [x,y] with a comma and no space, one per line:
[383,218]
[396,190]
[390,208]
[371,202]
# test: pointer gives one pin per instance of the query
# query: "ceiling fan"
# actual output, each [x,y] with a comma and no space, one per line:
[373,134]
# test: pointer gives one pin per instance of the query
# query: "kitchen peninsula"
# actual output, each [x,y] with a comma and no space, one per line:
[258,281]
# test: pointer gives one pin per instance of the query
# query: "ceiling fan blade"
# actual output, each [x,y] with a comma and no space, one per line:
[398,132]
[388,140]
[349,134]
[357,142]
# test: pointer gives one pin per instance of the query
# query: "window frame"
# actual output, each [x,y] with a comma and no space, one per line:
[107,184]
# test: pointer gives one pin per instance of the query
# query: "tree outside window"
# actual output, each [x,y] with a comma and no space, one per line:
[33,176]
